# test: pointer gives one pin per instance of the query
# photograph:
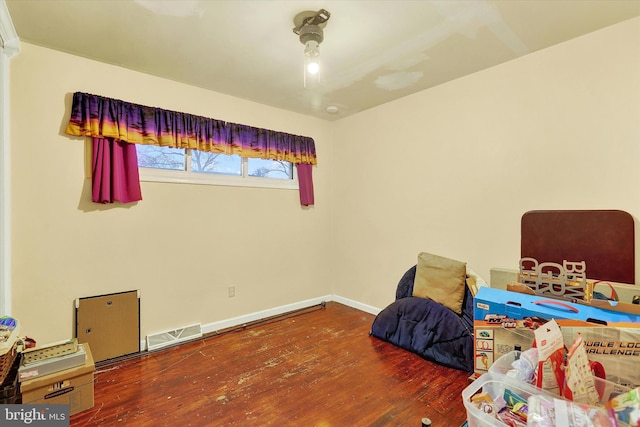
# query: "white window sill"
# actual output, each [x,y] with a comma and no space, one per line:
[183,177]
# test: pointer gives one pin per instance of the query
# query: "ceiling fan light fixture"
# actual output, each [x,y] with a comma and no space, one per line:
[308,26]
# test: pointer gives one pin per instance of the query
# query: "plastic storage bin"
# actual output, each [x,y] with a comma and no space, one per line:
[606,389]
[494,384]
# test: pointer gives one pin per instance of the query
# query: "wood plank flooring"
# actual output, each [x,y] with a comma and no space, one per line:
[318,368]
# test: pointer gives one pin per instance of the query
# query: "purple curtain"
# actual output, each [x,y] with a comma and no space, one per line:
[115,172]
[305,182]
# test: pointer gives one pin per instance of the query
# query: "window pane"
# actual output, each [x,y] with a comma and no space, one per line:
[152,156]
[204,162]
[277,169]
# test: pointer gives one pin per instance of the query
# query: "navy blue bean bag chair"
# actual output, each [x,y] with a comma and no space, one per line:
[427,328]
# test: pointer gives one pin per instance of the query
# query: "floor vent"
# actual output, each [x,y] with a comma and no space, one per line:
[174,336]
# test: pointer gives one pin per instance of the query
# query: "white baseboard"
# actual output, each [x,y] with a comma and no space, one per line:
[357,305]
[259,315]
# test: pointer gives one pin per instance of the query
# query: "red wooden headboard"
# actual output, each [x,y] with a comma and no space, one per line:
[604,239]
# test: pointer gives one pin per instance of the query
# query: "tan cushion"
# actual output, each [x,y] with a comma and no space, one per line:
[441,280]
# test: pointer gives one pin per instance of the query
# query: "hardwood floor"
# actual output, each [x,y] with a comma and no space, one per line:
[318,368]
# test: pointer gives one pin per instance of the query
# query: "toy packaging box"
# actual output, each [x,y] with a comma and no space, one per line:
[505,321]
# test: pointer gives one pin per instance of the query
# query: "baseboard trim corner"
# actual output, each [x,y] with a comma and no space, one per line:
[357,305]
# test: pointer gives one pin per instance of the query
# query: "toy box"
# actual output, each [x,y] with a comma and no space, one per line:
[505,321]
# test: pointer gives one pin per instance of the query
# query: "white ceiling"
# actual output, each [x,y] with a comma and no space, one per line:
[374,51]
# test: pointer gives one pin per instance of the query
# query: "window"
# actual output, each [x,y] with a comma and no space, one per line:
[165,164]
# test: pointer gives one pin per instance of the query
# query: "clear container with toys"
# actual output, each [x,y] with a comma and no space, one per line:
[553,383]
[519,367]
[498,400]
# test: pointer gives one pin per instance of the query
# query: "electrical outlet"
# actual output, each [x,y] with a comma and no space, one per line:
[232,291]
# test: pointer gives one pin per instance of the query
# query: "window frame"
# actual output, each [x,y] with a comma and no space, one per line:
[199,178]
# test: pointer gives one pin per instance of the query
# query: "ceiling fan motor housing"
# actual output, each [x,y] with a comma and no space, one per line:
[311,33]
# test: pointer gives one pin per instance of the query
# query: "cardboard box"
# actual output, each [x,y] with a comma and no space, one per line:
[505,321]
[73,387]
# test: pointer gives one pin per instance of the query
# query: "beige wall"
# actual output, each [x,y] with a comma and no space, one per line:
[451,170]
[183,245]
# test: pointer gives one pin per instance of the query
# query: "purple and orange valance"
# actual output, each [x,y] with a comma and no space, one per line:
[99,117]
[114,125]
